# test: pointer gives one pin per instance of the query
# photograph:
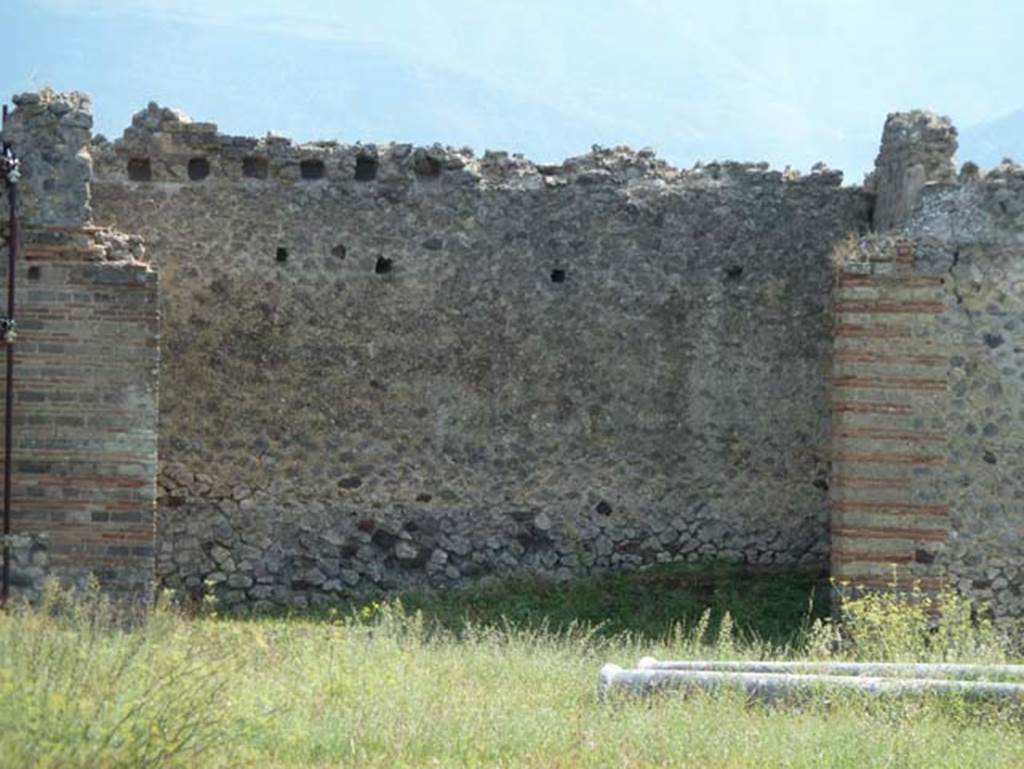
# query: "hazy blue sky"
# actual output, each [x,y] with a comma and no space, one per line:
[787,81]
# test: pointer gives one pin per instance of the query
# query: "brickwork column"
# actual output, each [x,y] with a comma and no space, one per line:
[85,422]
[890,401]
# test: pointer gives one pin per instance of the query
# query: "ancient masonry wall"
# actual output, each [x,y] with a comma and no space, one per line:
[395,367]
[86,369]
[975,229]
[929,387]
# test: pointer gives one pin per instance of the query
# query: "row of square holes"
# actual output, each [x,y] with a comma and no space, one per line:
[140,169]
[383,265]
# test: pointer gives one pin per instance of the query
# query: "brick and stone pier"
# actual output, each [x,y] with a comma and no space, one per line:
[86,370]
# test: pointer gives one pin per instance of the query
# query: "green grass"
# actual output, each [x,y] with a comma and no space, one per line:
[774,607]
[385,687]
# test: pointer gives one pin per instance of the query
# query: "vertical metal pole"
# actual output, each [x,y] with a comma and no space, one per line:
[12,251]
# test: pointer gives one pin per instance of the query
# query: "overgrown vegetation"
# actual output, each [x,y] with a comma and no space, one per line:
[385,686]
[775,607]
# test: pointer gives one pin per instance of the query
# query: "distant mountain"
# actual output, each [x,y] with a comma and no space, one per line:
[988,143]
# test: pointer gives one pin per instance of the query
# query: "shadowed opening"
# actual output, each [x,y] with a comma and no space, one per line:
[426,166]
[139,170]
[254,168]
[312,169]
[198,169]
[366,168]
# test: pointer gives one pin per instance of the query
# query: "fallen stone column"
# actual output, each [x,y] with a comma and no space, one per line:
[900,669]
[774,687]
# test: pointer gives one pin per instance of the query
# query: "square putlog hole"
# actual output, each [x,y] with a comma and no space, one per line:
[425,166]
[366,168]
[198,169]
[255,168]
[140,170]
[312,169]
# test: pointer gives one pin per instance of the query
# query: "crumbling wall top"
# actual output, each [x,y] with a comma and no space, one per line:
[166,145]
[46,99]
[50,132]
[925,136]
[917,149]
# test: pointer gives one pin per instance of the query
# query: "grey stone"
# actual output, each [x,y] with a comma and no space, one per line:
[239,581]
[406,551]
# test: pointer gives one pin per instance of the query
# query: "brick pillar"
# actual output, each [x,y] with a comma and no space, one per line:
[890,399]
[86,369]
[85,422]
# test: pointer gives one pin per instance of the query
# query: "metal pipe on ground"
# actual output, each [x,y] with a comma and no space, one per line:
[881,669]
[775,687]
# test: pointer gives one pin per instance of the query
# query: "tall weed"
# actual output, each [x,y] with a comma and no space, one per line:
[80,689]
[910,625]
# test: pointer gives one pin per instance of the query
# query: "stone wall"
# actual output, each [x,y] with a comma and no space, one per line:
[86,369]
[930,331]
[51,134]
[975,230]
[396,367]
